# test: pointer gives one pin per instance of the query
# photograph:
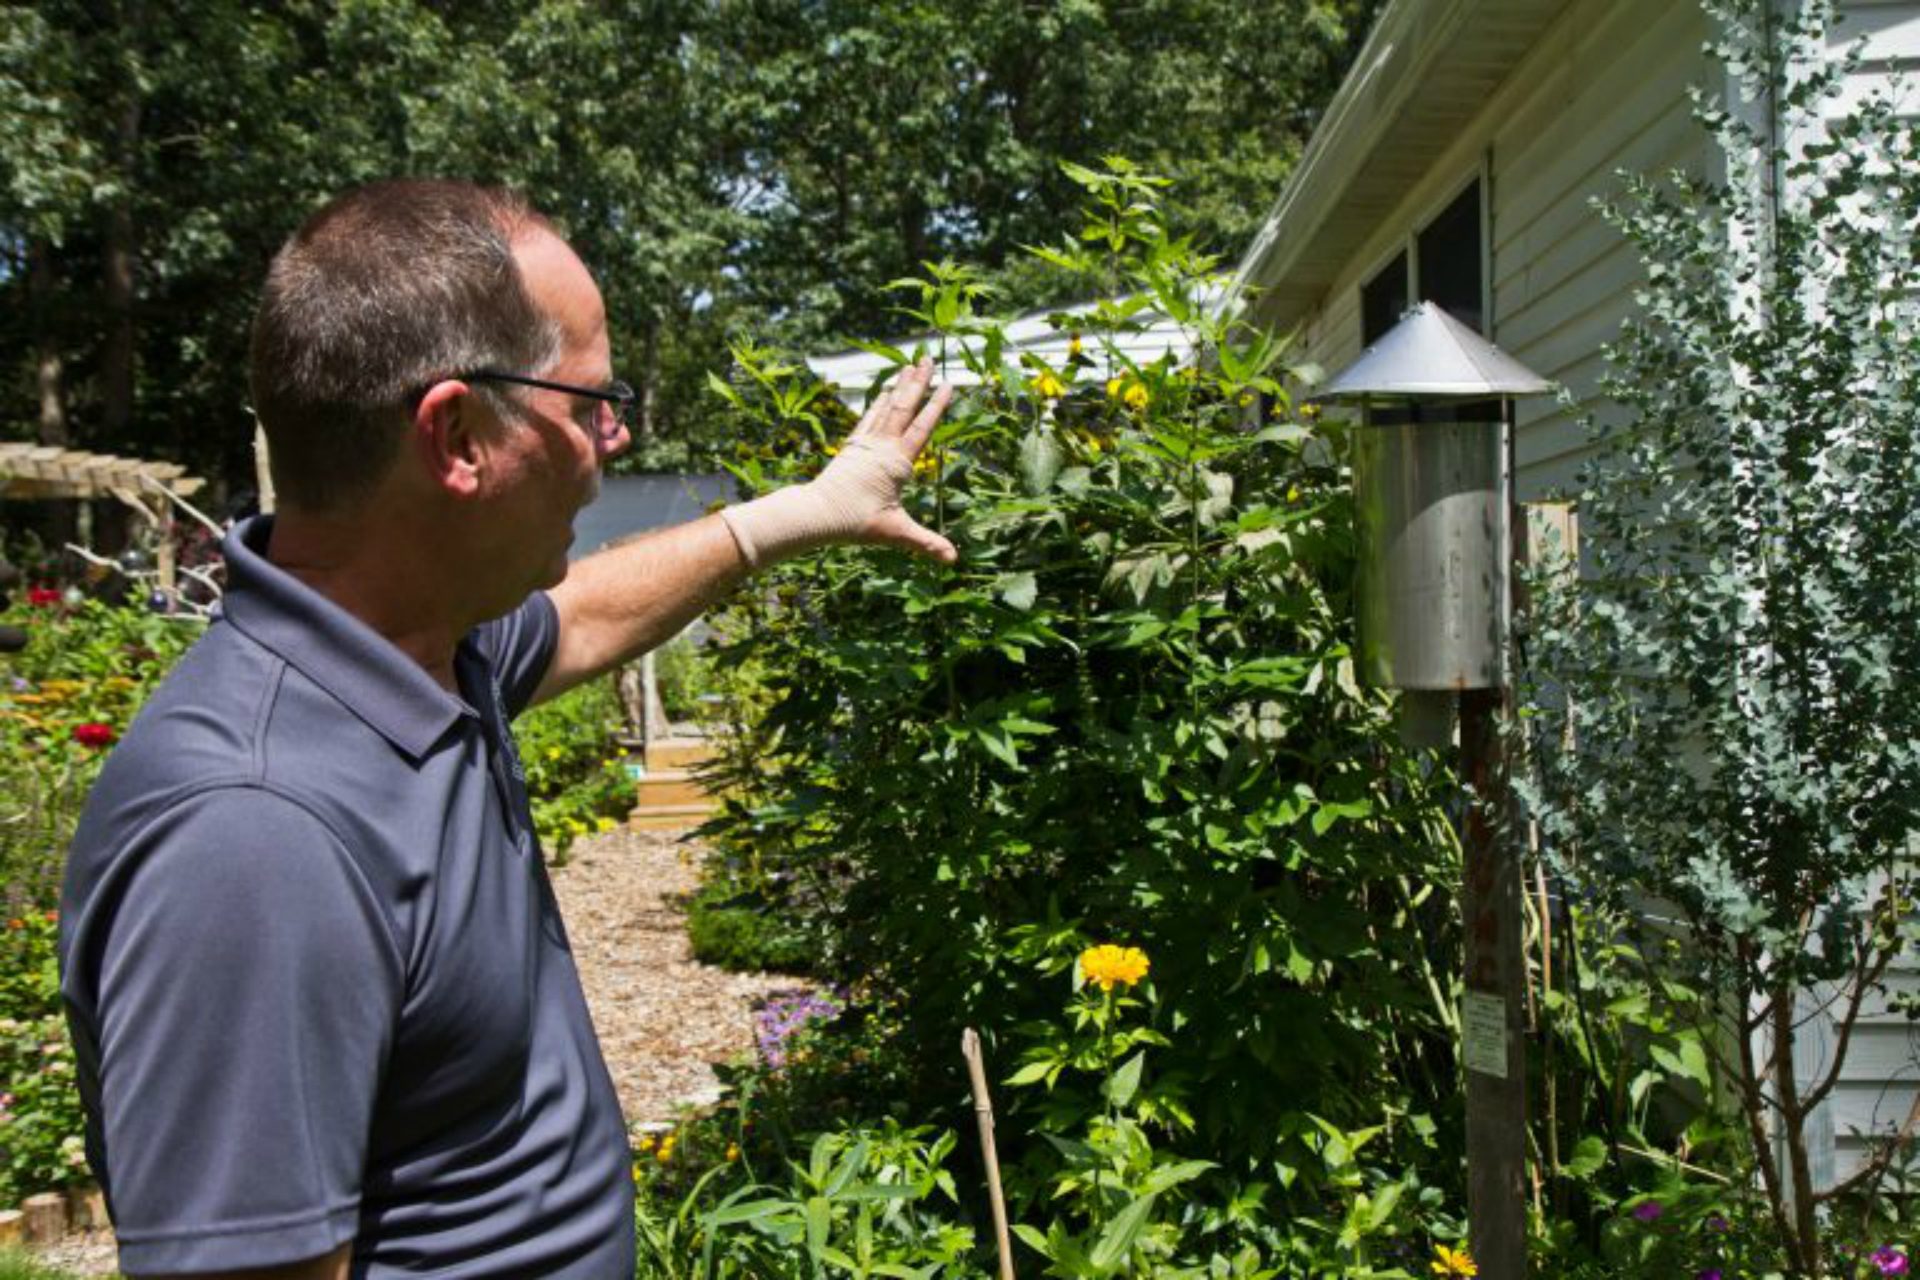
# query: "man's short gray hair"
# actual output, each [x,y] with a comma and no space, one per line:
[386,290]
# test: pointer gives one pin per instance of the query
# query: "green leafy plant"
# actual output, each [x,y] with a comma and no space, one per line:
[1131,702]
[64,699]
[575,784]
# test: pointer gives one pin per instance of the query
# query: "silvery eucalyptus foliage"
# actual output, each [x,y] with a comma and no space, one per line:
[1726,699]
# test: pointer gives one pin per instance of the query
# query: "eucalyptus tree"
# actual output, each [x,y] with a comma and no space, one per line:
[1723,697]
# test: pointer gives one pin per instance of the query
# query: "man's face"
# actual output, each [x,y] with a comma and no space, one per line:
[562,439]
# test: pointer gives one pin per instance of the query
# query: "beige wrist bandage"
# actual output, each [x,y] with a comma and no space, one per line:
[863,480]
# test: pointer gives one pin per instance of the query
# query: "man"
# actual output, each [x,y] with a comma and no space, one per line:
[325,1013]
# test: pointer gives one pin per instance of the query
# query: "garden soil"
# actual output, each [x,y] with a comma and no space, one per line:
[663,1018]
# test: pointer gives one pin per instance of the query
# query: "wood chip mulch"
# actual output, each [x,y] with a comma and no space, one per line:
[663,1018]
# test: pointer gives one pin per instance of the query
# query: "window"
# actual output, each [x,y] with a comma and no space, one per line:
[1446,266]
[1383,300]
[1449,260]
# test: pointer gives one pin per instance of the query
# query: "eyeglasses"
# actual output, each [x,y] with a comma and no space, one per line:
[618,395]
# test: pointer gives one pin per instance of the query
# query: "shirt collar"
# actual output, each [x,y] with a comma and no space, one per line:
[343,655]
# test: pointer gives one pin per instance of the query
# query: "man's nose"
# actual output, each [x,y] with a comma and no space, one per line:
[612,446]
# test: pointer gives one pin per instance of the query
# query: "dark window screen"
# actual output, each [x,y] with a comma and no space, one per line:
[1383,300]
[1450,260]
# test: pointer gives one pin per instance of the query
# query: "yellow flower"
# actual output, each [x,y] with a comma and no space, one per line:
[1453,1262]
[733,1151]
[1108,965]
[645,1143]
[1129,391]
[553,753]
[1048,386]
[605,824]
[1073,346]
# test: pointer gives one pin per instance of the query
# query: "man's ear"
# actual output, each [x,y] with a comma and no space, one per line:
[446,434]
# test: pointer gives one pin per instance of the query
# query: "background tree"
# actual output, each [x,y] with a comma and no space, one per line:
[728,166]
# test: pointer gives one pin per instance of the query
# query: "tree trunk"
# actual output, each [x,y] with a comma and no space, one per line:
[645,421]
[49,365]
[121,254]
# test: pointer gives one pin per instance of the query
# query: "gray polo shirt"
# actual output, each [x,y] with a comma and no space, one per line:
[317,980]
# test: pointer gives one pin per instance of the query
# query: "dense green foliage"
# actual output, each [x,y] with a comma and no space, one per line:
[723,164]
[1721,703]
[576,782]
[1128,713]
[84,674]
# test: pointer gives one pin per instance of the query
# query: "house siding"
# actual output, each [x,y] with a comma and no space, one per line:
[1606,90]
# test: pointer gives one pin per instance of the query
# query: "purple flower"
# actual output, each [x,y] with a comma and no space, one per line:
[1711,1273]
[1648,1210]
[1889,1260]
[784,1016]
[1718,1224]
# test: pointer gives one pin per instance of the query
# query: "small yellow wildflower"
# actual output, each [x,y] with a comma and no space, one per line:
[604,824]
[1048,386]
[1309,411]
[1136,396]
[645,1143]
[1073,347]
[665,1152]
[1453,1262]
[833,451]
[733,1151]
[1109,965]
[553,753]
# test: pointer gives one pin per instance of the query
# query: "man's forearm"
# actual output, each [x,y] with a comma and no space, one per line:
[636,595]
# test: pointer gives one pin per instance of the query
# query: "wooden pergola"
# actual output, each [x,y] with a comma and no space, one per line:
[153,489]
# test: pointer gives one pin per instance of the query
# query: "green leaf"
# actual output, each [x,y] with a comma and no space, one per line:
[751,1211]
[1121,1233]
[1019,590]
[1125,1081]
[1041,458]
[1588,1158]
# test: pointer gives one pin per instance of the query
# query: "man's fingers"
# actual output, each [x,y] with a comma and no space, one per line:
[898,529]
[915,437]
[893,412]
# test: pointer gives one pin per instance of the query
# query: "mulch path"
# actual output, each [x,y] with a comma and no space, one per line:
[663,1018]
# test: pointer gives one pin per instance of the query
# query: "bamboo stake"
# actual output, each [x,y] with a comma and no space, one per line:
[983,1112]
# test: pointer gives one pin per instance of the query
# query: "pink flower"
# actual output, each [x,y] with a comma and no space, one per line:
[1890,1261]
[93,734]
[1648,1210]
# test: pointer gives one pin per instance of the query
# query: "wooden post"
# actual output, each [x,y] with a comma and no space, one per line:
[262,471]
[1491,1022]
[983,1113]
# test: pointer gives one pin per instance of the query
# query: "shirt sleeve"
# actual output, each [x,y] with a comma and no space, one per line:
[247,985]
[519,648]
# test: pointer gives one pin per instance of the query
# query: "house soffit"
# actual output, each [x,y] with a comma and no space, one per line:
[1427,70]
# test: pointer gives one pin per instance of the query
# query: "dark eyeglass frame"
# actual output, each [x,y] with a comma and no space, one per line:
[616,393]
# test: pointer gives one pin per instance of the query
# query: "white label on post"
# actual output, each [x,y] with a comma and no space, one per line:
[1483,1032]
